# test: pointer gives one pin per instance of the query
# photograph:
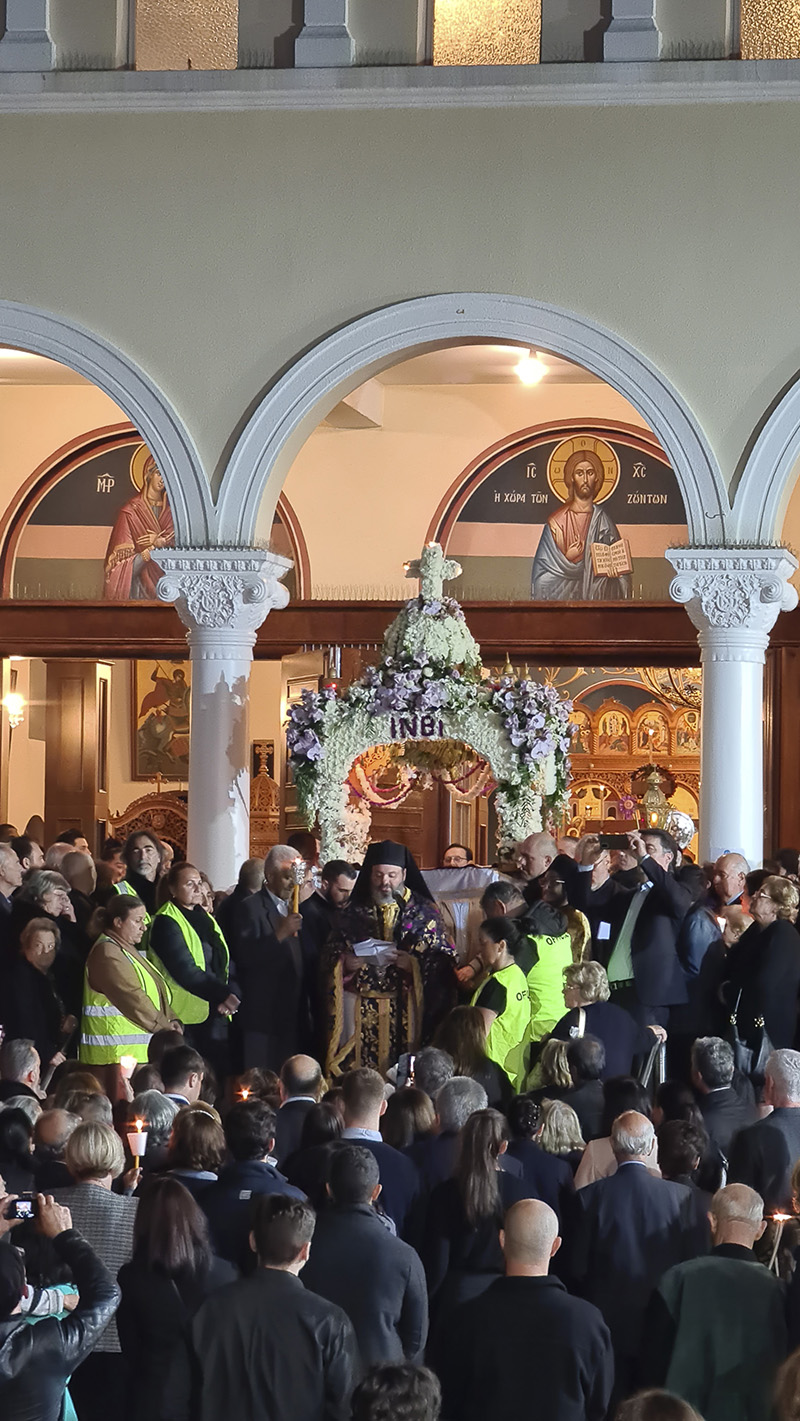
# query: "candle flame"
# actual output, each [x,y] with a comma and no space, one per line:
[139,1125]
[780,1218]
[244,1092]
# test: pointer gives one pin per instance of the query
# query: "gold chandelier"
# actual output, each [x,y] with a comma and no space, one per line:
[680,685]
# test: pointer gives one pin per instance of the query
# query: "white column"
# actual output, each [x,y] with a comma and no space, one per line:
[27,45]
[325,40]
[222,597]
[733,597]
[633,33]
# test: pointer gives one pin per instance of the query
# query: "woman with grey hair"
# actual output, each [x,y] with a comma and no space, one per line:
[44,895]
[158,1112]
[590,1013]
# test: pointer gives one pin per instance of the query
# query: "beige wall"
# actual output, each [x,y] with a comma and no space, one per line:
[214,248]
[365,497]
[36,420]
[26,759]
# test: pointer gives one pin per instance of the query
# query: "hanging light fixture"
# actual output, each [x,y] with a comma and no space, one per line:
[680,685]
[14,706]
[531,369]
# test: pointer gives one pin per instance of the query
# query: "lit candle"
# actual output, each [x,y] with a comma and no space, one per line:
[137,1141]
[128,1064]
[781,1220]
[244,1092]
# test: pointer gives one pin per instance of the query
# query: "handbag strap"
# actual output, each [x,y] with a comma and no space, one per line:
[581,1022]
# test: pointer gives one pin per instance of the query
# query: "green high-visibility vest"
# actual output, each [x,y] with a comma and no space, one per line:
[125,887]
[546,982]
[189,1009]
[107,1035]
[509,1033]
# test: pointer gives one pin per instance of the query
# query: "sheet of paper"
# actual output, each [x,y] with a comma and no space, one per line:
[372,947]
[603,932]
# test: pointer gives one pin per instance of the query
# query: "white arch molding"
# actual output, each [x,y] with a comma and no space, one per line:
[143,402]
[769,476]
[294,406]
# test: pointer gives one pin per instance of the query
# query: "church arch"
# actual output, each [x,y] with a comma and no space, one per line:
[293,407]
[149,410]
[769,474]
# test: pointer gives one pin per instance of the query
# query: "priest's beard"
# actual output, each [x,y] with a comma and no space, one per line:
[381,897]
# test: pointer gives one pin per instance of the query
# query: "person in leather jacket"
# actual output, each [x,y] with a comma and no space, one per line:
[36,1362]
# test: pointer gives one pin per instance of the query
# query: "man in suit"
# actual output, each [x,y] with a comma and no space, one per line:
[628,1230]
[725,1111]
[228,1205]
[301,1083]
[643,923]
[10,880]
[763,1155]
[318,911]
[250,880]
[716,1329]
[182,1070]
[358,1264]
[364,1104]
[20,1069]
[525,1345]
[730,880]
[266,950]
[302,1355]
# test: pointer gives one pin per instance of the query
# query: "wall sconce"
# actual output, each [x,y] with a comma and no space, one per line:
[14,705]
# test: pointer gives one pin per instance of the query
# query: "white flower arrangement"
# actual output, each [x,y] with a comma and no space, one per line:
[427,686]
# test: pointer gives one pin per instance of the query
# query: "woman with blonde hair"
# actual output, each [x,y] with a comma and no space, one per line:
[560,1133]
[590,1013]
[763,968]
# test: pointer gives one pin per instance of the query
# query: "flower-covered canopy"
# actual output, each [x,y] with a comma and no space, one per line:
[429,687]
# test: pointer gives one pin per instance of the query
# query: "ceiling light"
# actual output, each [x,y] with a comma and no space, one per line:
[531,369]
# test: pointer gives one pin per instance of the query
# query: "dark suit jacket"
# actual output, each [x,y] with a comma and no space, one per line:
[32,1009]
[289,1127]
[301,1353]
[375,1278]
[764,1155]
[544,1176]
[628,1230]
[400,1183]
[228,1206]
[525,1348]
[270,971]
[725,1113]
[659,977]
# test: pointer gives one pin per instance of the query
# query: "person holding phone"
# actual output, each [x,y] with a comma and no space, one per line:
[37,1362]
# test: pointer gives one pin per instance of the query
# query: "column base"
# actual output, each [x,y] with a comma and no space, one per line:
[628,41]
[325,47]
[27,54]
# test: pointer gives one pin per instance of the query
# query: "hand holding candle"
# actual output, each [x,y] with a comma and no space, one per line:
[299,870]
[137,1141]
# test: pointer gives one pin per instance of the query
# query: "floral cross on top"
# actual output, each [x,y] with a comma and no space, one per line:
[433,569]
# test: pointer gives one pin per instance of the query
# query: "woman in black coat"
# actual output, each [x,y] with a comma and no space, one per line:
[590,1013]
[33,1010]
[171,1273]
[461,1252]
[763,968]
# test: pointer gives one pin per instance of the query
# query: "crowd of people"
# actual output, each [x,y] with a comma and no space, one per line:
[362,1141]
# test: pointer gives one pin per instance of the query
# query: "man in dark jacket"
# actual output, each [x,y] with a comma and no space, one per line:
[229,1204]
[628,1230]
[716,1330]
[37,1362]
[364,1104]
[764,1154]
[644,972]
[357,1263]
[301,1084]
[525,1346]
[265,948]
[301,1352]
[725,1110]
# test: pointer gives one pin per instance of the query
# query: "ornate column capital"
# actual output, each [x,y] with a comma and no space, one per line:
[222,595]
[733,596]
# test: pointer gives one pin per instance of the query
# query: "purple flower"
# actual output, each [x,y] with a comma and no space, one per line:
[307,746]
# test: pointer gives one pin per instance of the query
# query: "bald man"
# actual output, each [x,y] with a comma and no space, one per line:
[525,1345]
[730,879]
[301,1085]
[716,1332]
[628,1230]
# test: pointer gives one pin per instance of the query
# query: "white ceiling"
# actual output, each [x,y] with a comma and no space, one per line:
[480,365]
[19,367]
